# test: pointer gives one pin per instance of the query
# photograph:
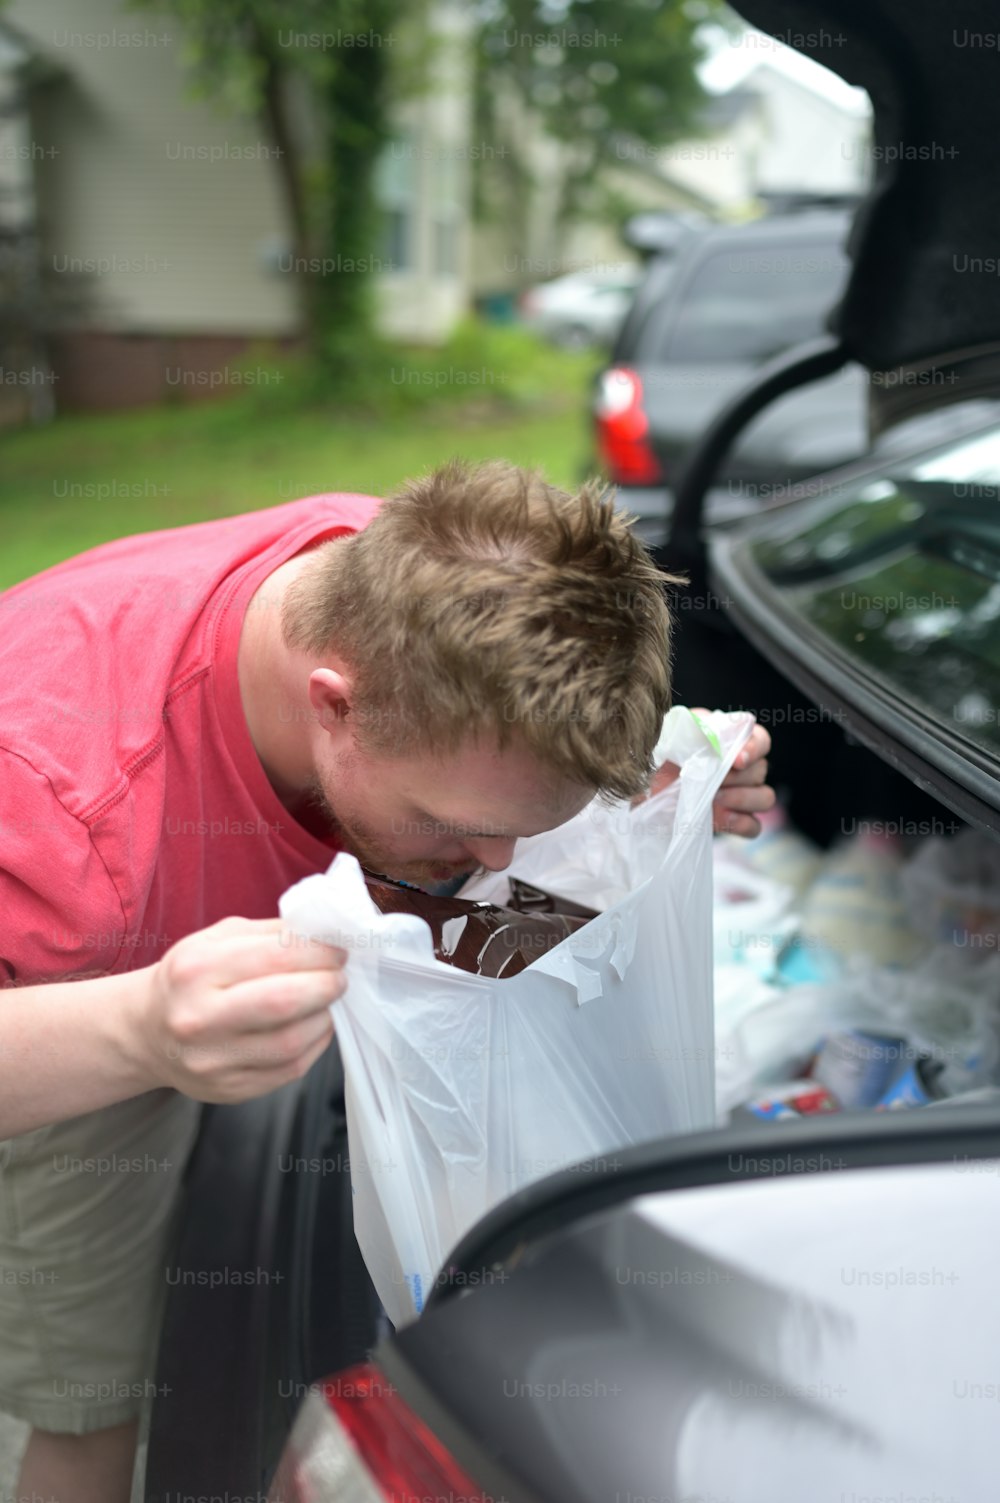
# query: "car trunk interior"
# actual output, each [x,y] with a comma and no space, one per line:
[827,780]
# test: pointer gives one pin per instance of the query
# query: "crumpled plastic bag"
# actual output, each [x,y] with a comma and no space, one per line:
[947,1006]
[461,1090]
[952,888]
[753,916]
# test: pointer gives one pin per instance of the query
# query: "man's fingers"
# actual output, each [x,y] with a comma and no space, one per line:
[276,1068]
[750,777]
[728,823]
[273,1002]
[757,745]
[749,800]
[284,1052]
[265,948]
[301,1041]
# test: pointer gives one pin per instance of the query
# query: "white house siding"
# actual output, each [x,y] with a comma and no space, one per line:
[16,146]
[161,213]
[427,174]
[158,207]
[26,378]
[812,143]
[789,138]
[722,167]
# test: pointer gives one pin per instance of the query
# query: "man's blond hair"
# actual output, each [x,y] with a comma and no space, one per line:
[483,604]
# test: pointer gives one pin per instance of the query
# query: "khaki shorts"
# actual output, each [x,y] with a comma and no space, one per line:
[88,1220]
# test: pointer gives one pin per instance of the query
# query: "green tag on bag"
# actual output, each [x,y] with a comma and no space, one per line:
[708,733]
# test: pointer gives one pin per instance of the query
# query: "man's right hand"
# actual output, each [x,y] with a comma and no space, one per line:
[238,1009]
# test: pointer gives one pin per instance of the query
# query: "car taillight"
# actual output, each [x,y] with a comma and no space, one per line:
[355,1441]
[623,429]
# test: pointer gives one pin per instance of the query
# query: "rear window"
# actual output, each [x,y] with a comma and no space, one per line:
[748,305]
[904,576]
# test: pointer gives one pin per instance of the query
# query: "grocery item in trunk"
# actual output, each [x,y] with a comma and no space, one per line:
[856,906]
[788,1103]
[857,1065]
[918,1085]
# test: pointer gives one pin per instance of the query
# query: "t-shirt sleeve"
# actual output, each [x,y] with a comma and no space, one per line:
[60,914]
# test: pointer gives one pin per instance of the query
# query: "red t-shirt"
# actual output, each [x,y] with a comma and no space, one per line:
[133,806]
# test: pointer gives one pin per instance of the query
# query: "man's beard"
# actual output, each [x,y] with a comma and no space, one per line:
[374,857]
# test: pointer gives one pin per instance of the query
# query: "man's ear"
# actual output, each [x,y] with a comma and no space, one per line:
[331,696]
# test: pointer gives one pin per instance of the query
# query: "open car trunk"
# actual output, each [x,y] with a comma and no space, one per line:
[851,743]
[920,303]
[915,293]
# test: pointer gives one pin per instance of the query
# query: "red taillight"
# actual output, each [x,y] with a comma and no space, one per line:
[623,430]
[356,1440]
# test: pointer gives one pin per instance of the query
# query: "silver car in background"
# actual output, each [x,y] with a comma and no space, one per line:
[582,308]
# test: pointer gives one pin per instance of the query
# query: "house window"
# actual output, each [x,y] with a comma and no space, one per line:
[396,227]
[446,247]
[395,197]
[447,210]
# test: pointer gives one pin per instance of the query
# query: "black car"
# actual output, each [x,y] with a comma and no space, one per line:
[656,1326]
[743,1318]
[769,1314]
[703,321]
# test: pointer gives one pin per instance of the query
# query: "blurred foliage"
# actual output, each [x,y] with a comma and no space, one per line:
[589,74]
[317,75]
[489,393]
[598,76]
[498,368]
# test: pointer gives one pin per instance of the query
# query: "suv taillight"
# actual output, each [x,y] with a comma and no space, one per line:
[623,430]
[355,1441]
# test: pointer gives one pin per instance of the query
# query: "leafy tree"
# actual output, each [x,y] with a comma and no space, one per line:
[317,75]
[587,73]
[606,78]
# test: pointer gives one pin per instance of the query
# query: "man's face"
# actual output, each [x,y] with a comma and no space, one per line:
[425,819]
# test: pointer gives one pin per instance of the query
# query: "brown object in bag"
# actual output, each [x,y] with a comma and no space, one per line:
[482,938]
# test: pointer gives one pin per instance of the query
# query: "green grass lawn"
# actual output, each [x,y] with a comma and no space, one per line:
[85,479]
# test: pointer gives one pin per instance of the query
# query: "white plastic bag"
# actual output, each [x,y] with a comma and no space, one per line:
[947,1006]
[752,915]
[461,1089]
[952,889]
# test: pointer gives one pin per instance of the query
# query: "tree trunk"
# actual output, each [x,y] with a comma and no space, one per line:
[291,176]
[356,133]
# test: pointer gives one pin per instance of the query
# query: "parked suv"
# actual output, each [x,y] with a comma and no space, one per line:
[701,324]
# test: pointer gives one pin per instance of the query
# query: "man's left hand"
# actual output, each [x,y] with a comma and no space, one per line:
[744,793]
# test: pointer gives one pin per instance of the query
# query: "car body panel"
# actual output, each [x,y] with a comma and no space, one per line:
[771,1340]
[812,429]
[274,1294]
